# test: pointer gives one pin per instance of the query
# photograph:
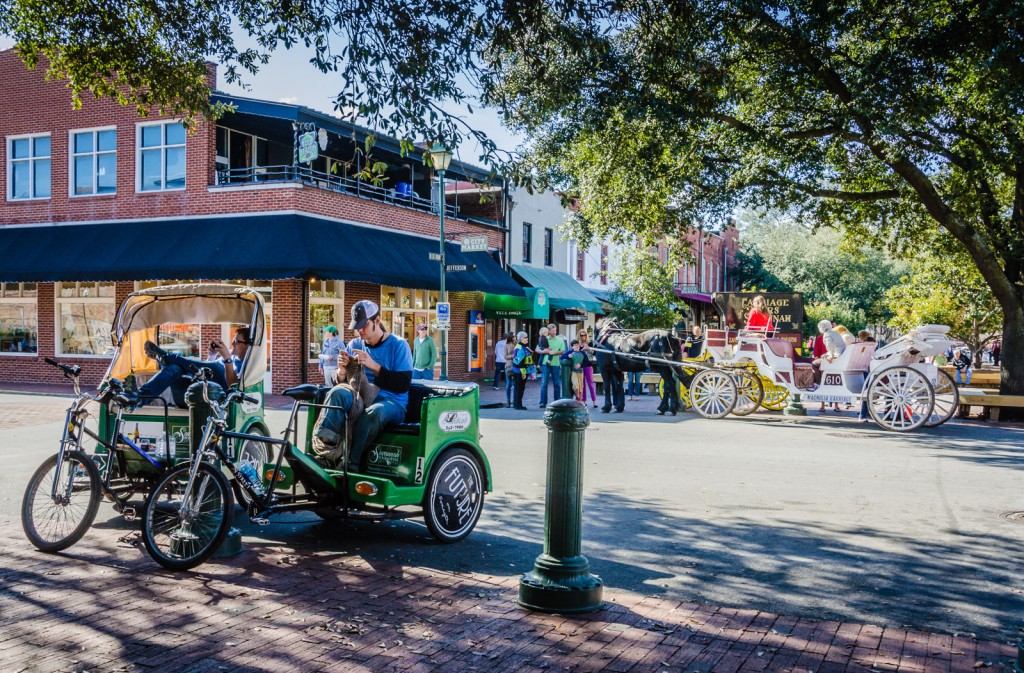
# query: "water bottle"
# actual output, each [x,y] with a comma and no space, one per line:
[252,478]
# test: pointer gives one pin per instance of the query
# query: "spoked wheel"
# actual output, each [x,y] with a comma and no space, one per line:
[253,453]
[454,496]
[713,393]
[900,399]
[181,534]
[749,392]
[776,398]
[947,400]
[55,520]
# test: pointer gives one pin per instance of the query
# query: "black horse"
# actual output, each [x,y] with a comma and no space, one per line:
[655,343]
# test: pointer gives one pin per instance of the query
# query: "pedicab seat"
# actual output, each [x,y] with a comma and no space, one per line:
[419,392]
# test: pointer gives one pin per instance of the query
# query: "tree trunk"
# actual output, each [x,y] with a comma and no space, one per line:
[1011,381]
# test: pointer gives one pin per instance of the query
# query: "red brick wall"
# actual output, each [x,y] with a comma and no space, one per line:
[288,343]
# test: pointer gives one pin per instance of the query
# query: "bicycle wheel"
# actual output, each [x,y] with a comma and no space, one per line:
[181,534]
[53,523]
[256,454]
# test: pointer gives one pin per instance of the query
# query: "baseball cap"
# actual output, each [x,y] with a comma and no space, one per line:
[362,312]
[422,325]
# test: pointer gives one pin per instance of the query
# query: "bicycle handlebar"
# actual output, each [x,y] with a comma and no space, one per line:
[69,370]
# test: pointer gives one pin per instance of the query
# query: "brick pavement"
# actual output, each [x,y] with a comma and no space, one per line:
[104,606]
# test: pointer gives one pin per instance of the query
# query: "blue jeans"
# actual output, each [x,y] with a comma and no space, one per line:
[173,376]
[509,383]
[369,424]
[634,383]
[424,374]
[967,372]
[551,373]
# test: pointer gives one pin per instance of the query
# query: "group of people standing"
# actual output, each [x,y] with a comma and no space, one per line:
[521,362]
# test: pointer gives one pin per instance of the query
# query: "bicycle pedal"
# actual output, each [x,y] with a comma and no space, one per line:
[259,521]
[129,514]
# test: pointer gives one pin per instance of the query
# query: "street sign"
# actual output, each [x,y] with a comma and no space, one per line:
[474,243]
[442,326]
[434,256]
[444,313]
[460,267]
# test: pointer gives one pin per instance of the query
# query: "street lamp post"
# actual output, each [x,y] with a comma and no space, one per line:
[442,158]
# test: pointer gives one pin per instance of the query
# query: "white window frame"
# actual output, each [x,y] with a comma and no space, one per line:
[339,309]
[22,299]
[31,166]
[58,300]
[96,152]
[163,157]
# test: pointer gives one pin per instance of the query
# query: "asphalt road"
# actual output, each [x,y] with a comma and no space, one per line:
[824,518]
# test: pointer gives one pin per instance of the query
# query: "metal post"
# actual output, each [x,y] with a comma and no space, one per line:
[443,297]
[560,581]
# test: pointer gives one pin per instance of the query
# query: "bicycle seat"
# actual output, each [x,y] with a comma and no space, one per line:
[307,392]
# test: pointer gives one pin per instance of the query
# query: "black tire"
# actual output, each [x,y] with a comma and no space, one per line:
[454,497]
[179,544]
[255,453]
[55,525]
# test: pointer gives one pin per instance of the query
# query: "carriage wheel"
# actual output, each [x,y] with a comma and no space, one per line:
[684,394]
[947,400]
[776,398]
[900,399]
[713,393]
[749,393]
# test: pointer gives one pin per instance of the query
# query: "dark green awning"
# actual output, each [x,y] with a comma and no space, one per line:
[563,291]
[269,247]
[534,306]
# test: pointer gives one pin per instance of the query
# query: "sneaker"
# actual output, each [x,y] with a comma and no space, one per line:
[155,352]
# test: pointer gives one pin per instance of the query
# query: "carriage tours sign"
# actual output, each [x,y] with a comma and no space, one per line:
[786,309]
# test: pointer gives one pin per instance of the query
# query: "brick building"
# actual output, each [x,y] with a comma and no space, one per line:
[99,202]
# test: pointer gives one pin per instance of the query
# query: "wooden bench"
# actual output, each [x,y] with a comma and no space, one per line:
[989,401]
[981,378]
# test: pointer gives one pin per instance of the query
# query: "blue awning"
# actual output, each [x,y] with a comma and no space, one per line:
[270,247]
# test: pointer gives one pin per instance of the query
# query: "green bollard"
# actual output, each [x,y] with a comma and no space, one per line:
[560,581]
[795,408]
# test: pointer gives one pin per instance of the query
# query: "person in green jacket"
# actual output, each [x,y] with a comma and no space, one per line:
[424,354]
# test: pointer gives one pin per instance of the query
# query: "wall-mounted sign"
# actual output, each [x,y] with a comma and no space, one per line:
[474,244]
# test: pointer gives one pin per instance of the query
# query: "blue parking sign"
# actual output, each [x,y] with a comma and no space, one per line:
[444,312]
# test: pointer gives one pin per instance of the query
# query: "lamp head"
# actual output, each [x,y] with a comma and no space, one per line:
[440,157]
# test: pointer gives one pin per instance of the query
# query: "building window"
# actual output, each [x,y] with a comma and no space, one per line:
[28,167]
[85,312]
[19,325]
[93,162]
[326,307]
[604,265]
[549,240]
[402,309]
[580,265]
[527,242]
[160,156]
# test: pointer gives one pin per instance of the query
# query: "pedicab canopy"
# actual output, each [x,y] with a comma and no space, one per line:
[144,311]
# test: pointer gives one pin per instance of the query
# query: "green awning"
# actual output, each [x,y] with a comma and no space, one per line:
[563,291]
[534,306]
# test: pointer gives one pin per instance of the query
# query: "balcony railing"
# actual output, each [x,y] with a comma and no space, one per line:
[270,174]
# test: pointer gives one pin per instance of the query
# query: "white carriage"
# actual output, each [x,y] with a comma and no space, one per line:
[903,389]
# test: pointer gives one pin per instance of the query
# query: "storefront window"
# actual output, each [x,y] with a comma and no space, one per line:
[326,307]
[85,312]
[402,310]
[19,326]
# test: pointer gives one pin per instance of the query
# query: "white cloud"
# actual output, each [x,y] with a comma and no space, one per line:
[291,100]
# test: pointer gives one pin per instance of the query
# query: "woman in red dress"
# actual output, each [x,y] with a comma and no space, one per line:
[759,319]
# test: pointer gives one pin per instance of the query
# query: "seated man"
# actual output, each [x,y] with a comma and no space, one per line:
[387,363]
[695,342]
[175,368]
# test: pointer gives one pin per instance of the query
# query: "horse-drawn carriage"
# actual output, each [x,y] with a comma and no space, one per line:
[903,390]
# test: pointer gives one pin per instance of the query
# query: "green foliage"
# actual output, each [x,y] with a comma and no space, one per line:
[644,297]
[944,288]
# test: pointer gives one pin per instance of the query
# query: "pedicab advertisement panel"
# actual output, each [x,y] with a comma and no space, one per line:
[786,308]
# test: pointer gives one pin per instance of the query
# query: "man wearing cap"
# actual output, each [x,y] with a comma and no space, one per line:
[424,354]
[387,362]
[329,355]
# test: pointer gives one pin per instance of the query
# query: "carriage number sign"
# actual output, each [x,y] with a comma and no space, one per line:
[832,380]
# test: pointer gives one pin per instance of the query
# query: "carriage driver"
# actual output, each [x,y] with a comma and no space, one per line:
[224,363]
[387,361]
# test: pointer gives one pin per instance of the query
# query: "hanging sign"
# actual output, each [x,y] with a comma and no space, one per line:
[307,148]
[474,244]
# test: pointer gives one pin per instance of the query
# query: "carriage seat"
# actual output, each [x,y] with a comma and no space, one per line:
[856,358]
[803,371]
[419,392]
